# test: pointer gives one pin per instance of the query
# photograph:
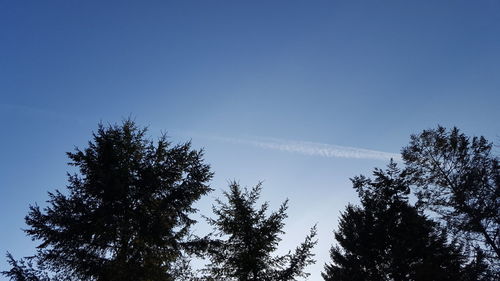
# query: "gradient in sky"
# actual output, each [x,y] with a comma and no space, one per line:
[273,90]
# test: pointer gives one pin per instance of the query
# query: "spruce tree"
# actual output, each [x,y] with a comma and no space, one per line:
[248,238]
[125,214]
[386,238]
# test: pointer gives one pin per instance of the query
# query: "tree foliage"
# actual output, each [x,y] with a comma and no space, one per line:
[386,238]
[125,214]
[458,178]
[248,239]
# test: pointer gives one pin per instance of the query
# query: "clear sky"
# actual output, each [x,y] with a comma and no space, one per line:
[288,92]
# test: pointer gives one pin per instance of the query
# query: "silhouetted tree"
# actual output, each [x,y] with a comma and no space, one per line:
[386,238]
[251,237]
[124,216]
[458,178]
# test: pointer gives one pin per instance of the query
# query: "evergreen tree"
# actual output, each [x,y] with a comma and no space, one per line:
[458,178]
[251,237]
[386,238]
[125,214]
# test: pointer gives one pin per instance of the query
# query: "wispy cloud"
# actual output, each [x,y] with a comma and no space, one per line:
[313,148]
[37,112]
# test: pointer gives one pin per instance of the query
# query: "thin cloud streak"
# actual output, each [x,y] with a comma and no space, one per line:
[38,112]
[314,149]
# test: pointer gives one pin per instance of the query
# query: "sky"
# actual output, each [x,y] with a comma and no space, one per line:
[301,95]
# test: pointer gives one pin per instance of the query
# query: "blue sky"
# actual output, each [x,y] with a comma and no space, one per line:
[273,90]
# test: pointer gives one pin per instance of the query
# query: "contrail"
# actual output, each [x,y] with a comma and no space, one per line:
[38,112]
[314,149]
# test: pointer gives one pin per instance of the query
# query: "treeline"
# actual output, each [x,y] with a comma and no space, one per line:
[127,215]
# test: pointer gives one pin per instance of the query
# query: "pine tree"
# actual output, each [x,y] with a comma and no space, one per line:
[249,239]
[124,216]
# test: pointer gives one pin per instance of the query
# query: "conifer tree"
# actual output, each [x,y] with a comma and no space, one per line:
[124,216]
[248,239]
[458,178]
[386,238]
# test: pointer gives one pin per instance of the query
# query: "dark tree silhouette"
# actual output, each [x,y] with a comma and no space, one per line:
[124,216]
[386,238]
[458,178]
[251,237]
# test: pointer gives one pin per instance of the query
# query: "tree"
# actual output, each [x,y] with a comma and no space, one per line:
[125,214]
[458,178]
[386,238]
[251,237]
